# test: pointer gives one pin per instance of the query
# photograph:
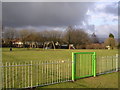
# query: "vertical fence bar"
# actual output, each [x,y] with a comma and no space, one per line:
[9,76]
[85,63]
[47,72]
[38,72]
[6,75]
[13,74]
[102,65]
[68,69]
[52,72]
[28,75]
[60,71]
[92,64]
[94,59]
[25,74]
[112,63]
[22,76]
[73,66]
[16,74]
[39,63]
[116,62]
[82,71]
[19,75]
[42,73]
[79,64]
[31,74]
[106,62]
[57,71]
[66,72]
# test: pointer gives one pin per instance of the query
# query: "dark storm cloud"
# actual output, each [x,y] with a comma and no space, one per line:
[0,15]
[19,14]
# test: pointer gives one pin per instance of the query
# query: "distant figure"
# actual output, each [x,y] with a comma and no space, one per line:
[10,48]
[10,45]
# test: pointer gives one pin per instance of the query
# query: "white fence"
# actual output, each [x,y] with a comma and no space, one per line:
[107,64]
[32,74]
[40,73]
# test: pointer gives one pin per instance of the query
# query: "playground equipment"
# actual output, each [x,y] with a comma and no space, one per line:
[47,43]
[71,46]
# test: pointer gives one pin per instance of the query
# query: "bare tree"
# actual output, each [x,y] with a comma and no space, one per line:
[24,35]
[9,35]
[76,37]
[51,35]
[69,34]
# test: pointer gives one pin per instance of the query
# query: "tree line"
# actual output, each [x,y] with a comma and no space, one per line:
[78,37]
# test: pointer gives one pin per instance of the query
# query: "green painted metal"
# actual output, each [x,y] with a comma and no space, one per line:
[93,67]
[83,52]
[94,61]
[73,66]
[92,64]
[83,76]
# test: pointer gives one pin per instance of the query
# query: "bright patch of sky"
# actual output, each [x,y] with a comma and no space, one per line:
[99,17]
[104,19]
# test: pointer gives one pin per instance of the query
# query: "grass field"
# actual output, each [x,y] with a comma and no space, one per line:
[23,54]
[20,55]
[103,81]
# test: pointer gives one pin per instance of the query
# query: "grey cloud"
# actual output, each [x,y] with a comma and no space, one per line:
[119,8]
[0,21]
[18,14]
[112,9]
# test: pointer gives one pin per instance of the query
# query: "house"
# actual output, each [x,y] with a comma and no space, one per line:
[108,47]
[17,43]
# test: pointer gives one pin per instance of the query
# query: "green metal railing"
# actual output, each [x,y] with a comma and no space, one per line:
[83,64]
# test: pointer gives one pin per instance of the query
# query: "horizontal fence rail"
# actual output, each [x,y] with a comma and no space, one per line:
[41,73]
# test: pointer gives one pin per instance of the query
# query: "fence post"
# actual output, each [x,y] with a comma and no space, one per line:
[94,61]
[31,74]
[2,75]
[73,66]
[116,62]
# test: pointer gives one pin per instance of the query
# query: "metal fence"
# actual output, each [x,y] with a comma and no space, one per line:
[107,64]
[40,73]
[35,73]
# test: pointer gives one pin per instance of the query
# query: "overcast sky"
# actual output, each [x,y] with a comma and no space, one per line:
[98,17]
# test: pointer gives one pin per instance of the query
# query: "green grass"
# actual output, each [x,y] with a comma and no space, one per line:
[102,81]
[22,55]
